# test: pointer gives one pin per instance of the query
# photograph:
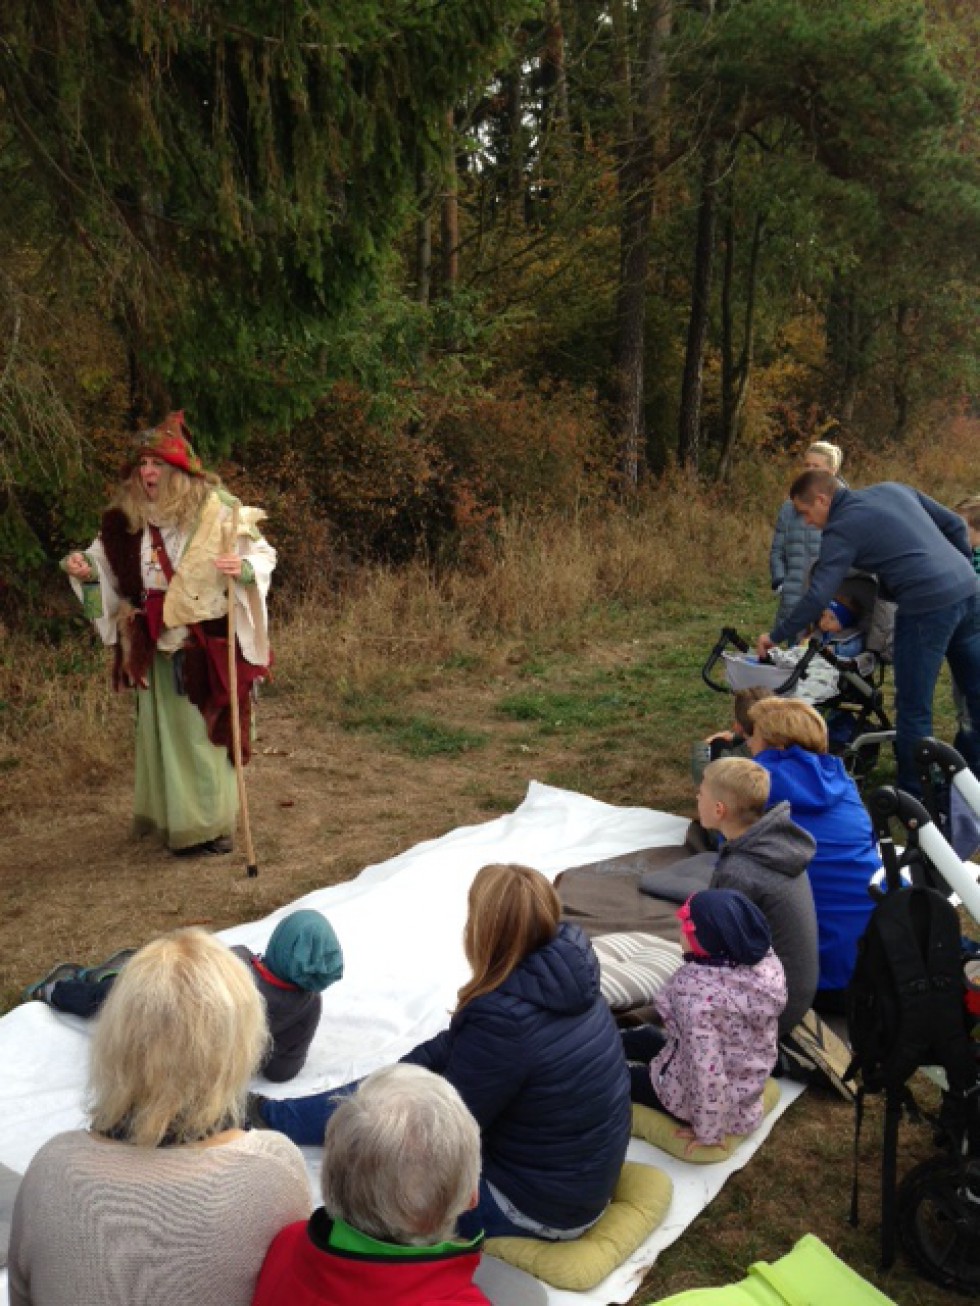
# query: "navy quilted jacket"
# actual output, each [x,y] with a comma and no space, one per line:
[540,1064]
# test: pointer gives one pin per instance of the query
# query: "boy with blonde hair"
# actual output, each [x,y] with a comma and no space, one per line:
[765,856]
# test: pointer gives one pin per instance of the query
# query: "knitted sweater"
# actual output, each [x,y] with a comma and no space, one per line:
[768,864]
[720,1023]
[99,1223]
[919,550]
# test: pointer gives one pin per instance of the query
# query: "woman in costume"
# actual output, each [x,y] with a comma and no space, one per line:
[155,584]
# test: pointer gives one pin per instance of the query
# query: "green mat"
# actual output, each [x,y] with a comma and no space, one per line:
[809,1275]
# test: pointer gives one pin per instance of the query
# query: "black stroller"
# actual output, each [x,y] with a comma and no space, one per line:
[936,1208]
[848,691]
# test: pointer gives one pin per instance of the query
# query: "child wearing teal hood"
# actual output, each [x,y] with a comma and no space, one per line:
[302,958]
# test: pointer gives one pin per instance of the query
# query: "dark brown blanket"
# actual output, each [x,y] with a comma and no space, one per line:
[605,898]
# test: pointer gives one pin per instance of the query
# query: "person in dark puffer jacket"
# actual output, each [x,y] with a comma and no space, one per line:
[795,545]
[534,1053]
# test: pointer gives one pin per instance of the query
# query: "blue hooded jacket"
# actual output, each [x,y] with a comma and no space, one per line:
[824,800]
[540,1064]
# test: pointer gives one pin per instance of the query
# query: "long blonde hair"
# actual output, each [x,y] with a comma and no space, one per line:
[180,1035]
[179,500]
[513,910]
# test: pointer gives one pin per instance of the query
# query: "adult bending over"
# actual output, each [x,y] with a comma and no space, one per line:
[921,554]
[535,1055]
[401,1161]
[789,739]
[155,583]
[164,1200]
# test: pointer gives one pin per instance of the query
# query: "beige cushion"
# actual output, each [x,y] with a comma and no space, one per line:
[638,1206]
[660,1129]
[634,967]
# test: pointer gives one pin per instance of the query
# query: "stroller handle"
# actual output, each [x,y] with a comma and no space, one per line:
[729,636]
[888,802]
[934,752]
[961,878]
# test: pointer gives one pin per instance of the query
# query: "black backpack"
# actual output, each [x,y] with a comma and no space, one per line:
[906,1010]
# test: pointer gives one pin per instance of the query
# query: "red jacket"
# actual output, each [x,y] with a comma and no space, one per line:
[301,1269]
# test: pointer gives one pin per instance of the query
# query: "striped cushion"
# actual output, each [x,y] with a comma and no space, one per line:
[633,968]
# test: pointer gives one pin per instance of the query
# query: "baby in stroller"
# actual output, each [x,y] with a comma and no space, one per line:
[839,670]
[840,626]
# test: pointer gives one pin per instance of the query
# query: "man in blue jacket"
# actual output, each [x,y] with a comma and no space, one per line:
[921,554]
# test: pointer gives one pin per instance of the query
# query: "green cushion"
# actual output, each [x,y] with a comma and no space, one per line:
[660,1129]
[809,1273]
[638,1206]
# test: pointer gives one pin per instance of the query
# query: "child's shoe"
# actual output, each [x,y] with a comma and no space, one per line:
[41,991]
[111,966]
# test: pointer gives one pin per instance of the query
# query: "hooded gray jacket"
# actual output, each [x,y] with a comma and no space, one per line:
[768,864]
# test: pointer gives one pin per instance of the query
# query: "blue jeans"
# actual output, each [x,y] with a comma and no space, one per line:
[921,642]
[488,1217]
[304,1119]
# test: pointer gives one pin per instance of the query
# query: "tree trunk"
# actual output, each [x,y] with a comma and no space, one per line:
[736,374]
[423,240]
[449,225]
[689,423]
[900,383]
[639,106]
[554,155]
[848,339]
[513,88]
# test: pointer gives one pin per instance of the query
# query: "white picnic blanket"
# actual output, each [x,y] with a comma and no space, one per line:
[400,924]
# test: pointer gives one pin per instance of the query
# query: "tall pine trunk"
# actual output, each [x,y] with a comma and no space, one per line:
[640,99]
[692,385]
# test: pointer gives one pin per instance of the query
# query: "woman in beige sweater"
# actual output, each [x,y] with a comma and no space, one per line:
[164,1200]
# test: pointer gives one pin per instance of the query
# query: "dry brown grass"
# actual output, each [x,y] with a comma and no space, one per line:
[617,609]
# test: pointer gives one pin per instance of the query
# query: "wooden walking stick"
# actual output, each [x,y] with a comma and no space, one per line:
[251,868]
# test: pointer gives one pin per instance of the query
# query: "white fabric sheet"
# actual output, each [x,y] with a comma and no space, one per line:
[400,924]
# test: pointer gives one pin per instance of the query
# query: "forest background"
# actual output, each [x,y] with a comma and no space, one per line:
[516,316]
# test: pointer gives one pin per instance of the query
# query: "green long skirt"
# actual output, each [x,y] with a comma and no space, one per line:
[185,786]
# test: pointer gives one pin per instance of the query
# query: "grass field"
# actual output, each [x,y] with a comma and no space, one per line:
[401,709]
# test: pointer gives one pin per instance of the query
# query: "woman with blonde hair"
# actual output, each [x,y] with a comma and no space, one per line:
[533,1052]
[164,1198]
[789,739]
[795,545]
[155,583]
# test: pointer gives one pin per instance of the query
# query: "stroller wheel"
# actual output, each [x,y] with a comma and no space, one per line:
[939,1221]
